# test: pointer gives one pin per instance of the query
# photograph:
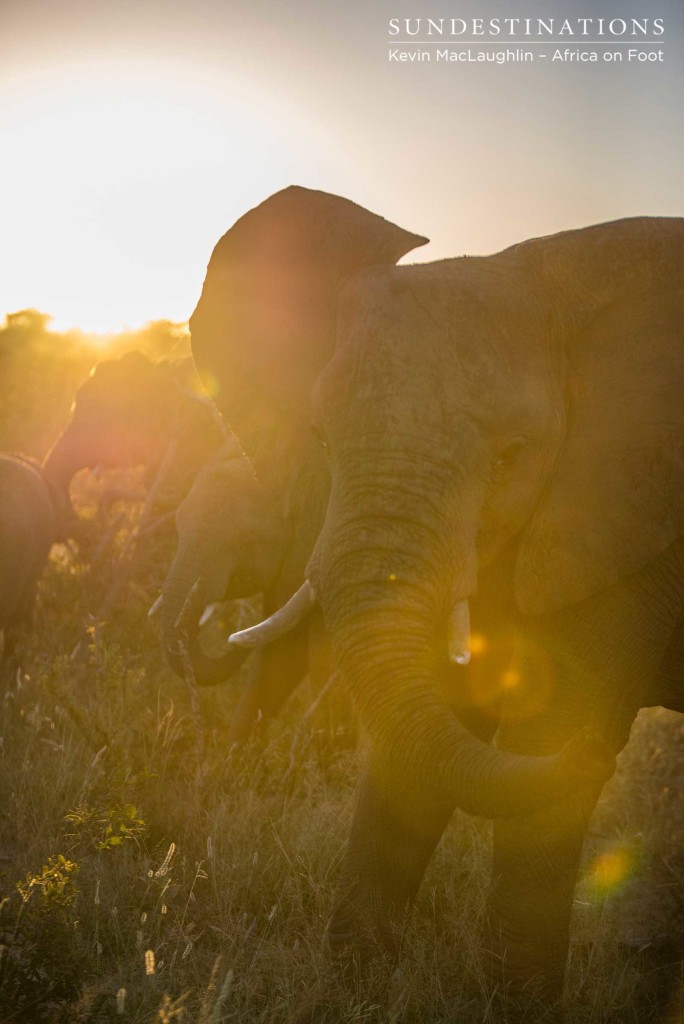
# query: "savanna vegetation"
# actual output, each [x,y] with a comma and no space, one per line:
[148,873]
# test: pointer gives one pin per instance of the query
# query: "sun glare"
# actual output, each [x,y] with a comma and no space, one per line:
[120,179]
[96,338]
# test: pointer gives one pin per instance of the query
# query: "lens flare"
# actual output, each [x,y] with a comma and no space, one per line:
[478,644]
[610,870]
[510,671]
[211,384]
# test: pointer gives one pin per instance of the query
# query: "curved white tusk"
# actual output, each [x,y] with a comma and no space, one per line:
[280,623]
[155,607]
[207,613]
[458,640]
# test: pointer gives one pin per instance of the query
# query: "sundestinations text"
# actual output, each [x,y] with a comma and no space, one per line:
[515,27]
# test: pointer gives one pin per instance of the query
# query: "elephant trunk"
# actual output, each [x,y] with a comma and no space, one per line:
[384,625]
[68,454]
[59,466]
[184,598]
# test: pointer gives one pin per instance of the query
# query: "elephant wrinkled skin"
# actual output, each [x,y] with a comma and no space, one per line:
[504,440]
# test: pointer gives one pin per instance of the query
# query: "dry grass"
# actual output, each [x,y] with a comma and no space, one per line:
[195,882]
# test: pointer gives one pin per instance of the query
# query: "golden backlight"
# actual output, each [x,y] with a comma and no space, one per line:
[122,178]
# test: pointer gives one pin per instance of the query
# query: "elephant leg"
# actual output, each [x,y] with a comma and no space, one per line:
[595,663]
[395,830]
[21,618]
[9,642]
[280,667]
[394,833]
[536,862]
[536,859]
[669,688]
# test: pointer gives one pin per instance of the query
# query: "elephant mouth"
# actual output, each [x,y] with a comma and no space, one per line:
[302,603]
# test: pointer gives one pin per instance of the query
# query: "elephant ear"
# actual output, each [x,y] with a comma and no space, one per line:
[317,231]
[265,323]
[616,496]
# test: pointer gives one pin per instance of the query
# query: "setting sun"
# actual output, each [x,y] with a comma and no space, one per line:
[122,175]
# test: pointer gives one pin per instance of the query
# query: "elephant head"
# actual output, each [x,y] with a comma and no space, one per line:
[441,402]
[264,327]
[474,414]
[231,544]
[127,413]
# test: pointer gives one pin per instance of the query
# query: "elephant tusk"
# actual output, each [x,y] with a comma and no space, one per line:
[459,634]
[281,622]
[182,619]
[155,607]
[207,613]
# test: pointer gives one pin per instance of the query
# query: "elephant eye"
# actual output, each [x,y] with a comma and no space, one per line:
[508,456]
[320,437]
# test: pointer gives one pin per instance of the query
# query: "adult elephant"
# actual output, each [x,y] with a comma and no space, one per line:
[503,433]
[233,543]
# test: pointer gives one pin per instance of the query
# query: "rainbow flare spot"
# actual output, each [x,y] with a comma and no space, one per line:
[610,870]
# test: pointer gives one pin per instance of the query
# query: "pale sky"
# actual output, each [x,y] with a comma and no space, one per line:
[134,132]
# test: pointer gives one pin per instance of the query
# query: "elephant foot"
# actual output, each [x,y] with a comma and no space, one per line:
[529,975]
[10,673]
[363,942]
[659,965]
[381,998]
[523,999]
[531,1010]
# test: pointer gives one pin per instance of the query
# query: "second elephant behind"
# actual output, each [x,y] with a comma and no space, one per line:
[235,541]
